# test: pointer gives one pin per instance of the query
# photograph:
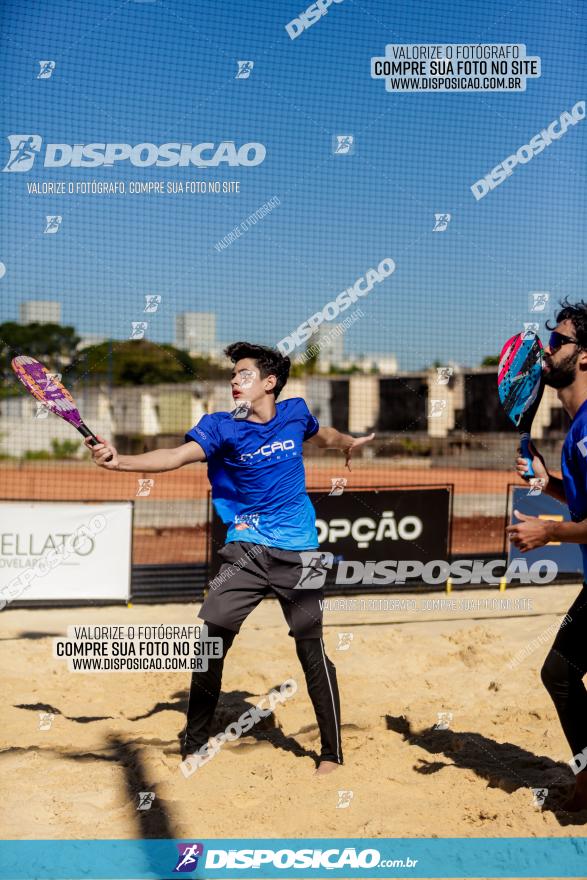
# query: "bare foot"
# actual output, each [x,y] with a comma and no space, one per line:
[325,767]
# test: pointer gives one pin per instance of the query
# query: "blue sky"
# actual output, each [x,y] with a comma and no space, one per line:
[158,72]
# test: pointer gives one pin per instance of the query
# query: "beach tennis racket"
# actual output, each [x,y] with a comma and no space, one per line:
[520,384]
[47,389]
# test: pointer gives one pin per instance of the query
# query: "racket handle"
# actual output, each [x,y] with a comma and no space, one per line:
[83,429]
[525,453]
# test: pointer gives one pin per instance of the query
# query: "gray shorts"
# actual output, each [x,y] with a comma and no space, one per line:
[250,572]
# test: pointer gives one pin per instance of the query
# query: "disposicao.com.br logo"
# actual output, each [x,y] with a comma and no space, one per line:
[25,148]
[324,859]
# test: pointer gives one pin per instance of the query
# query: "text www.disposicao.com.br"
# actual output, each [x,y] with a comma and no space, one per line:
[135,664]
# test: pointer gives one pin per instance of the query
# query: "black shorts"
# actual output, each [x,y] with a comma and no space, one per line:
[250,572]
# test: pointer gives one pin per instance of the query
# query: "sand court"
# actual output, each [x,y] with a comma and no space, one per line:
[446,728]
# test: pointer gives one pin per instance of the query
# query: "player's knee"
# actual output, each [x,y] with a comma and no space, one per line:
[305,642]
[216,631]
[330,666]
[311,653]
[304,648]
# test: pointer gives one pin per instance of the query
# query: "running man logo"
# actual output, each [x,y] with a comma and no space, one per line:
[531,327]
[444,719]
[443,375]
[338,485]
[539,795]
[246,379]
[138,329]
[245,68]
[343,144]
[437,407]
[145,487]
[345,797]
[53,223]
[152,302]
[536,486]
[187,860]
[314,568]
[441,222]
[146,799]
[538,301]
[344,641]
[52,385]
[24,149]
[41,411]
[47,68]
[242,410]
[45,720]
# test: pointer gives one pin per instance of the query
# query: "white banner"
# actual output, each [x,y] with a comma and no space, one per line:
[65,550]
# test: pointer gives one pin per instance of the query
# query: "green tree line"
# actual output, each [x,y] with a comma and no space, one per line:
[128,362]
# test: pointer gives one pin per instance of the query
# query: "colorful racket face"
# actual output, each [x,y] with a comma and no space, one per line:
[520,380]
[46,388]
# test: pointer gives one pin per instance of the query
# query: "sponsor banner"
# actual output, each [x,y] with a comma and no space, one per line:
[61,550]
[400,524]
[369,526]
[566,556]
[277,857]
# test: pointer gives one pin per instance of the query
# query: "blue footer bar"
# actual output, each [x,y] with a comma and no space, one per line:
[279,857]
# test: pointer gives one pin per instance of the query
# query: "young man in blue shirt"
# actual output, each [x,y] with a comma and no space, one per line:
[255,467]
[565,368]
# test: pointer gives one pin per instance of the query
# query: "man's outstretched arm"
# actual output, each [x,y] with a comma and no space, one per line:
[330,438]
[154,462]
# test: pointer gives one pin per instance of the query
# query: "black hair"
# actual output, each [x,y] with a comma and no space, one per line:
[270,361]
[576,313]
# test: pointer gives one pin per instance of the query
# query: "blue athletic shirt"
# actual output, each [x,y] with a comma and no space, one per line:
[574,470]
[257,475]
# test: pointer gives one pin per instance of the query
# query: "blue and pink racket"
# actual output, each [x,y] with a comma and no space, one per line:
[520,384]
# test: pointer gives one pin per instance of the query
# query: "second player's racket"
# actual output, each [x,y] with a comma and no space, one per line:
[520,383]
[47,389]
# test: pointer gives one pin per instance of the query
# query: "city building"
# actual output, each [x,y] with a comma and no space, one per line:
[196,332]
[329,342]
[385,364]
[39,311]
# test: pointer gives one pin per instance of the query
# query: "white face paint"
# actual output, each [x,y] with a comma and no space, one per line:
[242,382]
[246,379]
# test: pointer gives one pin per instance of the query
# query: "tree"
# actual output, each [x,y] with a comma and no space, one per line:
[349,371]
[52,344]
[140,362]
[307,363]
[312,355]
[491,360]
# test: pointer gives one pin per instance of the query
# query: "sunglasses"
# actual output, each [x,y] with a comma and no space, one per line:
[558,339]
